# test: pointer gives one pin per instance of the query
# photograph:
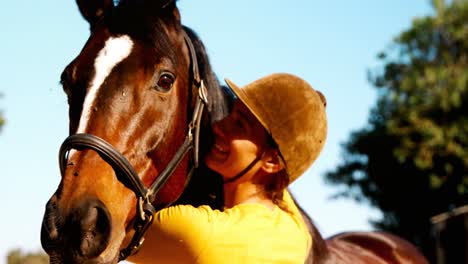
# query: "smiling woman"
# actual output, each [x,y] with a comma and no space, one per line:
[275,131]
[259,148]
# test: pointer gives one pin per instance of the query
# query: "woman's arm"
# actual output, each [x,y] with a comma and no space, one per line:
[177,235]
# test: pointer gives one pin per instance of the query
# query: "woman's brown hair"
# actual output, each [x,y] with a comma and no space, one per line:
[278,182]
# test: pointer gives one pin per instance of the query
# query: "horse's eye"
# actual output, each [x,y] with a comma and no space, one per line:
[165,82]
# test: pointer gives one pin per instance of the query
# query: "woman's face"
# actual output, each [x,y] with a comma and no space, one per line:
[239,139]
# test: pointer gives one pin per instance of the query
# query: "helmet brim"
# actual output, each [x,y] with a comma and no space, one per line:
[247,101]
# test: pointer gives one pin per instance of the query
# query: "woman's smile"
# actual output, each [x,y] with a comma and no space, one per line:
[219,151]
[219,148]
[237,142]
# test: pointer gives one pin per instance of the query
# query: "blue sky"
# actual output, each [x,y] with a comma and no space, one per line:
[331,44]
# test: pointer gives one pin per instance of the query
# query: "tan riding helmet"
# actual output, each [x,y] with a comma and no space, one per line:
[294,115]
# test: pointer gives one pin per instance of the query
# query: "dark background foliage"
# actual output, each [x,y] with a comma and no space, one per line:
[411,160]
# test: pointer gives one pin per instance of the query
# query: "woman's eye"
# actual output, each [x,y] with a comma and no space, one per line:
[165,82]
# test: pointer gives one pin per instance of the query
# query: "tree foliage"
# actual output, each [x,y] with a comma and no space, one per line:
[18,257]
[411,160]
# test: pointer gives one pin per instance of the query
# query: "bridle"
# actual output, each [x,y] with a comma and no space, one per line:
[126,173]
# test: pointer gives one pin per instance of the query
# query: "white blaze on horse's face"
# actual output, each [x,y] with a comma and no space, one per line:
[115,50]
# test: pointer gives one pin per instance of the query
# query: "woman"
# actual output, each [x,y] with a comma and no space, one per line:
[275,131]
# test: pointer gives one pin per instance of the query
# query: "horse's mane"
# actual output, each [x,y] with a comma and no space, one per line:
[218,99]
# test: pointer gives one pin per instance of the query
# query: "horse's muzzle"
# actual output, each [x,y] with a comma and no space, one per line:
[80,235]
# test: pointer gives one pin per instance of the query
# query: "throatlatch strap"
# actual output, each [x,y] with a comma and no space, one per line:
[244,171]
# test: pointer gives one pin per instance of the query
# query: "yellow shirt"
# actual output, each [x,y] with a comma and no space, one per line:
[245,233]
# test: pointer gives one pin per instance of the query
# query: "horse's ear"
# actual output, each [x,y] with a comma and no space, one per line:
[93,10]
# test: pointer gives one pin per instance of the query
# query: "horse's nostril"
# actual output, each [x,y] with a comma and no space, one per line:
[90,220]
[90,227]
[95,232]
[84,233]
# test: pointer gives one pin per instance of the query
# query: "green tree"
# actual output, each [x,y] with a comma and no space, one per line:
[411,160]
[18,257]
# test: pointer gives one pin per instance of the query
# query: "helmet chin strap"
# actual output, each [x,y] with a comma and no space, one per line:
[244,171]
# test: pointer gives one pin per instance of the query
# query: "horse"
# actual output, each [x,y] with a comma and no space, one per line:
[137,93]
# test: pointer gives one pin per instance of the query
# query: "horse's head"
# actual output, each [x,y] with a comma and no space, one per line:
[131,88]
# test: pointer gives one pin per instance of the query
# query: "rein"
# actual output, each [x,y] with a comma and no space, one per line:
[127,175]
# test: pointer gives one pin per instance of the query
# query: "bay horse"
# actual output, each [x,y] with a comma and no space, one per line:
[136,94]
